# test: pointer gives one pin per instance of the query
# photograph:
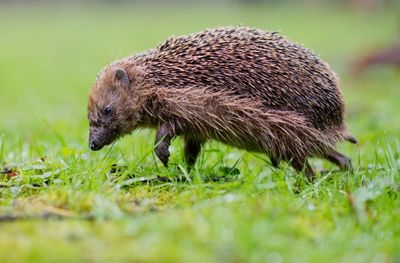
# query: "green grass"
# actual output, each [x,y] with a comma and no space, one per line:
[64,205]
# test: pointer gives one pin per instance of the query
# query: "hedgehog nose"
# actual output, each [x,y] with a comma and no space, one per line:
[94,145]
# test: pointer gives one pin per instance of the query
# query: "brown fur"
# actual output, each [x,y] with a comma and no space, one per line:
[244,87]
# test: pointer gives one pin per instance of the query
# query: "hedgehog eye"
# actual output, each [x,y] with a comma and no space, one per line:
[108,111]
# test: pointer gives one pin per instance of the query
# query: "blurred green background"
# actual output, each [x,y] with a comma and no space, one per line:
[61,204]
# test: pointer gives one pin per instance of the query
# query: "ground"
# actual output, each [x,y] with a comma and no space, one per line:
[60,202]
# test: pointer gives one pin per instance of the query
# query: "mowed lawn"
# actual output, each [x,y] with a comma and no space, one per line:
[59,202]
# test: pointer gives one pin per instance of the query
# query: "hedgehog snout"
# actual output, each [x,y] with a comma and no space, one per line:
[95,142]
[99,137]
[95,145]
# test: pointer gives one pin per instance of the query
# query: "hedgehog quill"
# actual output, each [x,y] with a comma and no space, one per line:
[245,87]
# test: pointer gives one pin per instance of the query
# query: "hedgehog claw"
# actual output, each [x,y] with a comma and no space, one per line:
[339,159]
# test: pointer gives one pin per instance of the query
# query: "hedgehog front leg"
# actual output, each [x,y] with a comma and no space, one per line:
[164,136]
[191,150]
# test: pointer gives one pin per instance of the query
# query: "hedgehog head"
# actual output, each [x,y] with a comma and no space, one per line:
[113,107]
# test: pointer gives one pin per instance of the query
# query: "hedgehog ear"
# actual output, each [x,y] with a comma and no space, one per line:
[121,78]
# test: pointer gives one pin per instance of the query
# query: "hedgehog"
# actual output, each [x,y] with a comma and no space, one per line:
[244,87]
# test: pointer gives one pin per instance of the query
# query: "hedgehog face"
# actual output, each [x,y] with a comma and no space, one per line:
[112,110]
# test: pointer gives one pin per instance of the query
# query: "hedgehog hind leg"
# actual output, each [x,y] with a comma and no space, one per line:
[192,149]
[300,165]
[274,161]
[339,159]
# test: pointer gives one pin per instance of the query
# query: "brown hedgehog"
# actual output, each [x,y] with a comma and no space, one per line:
[241,86]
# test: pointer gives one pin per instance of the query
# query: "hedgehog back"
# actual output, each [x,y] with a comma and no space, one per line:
[250,63]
